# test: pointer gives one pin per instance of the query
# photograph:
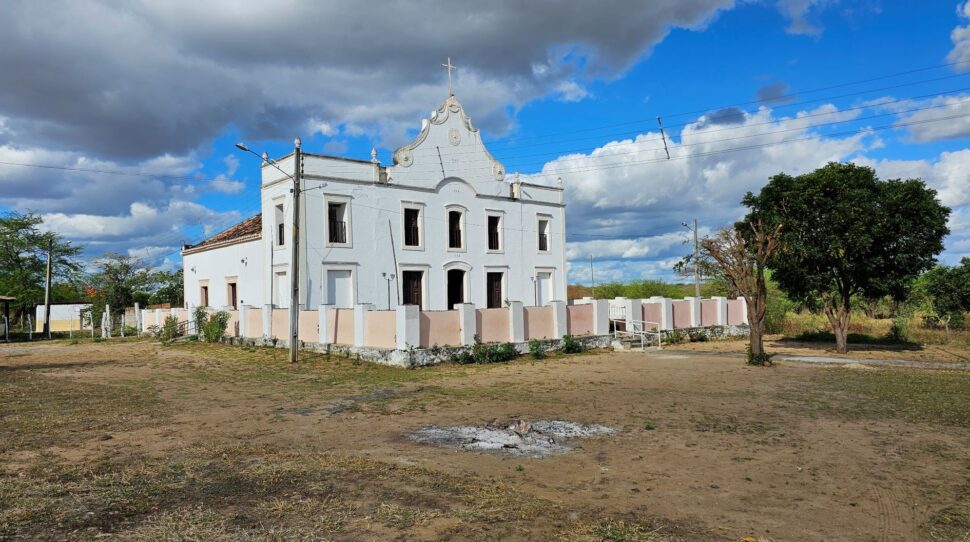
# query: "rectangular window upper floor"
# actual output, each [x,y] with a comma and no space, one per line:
[412,225]
[543,231]
[338,224]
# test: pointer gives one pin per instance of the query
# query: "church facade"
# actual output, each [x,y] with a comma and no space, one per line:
[442,225]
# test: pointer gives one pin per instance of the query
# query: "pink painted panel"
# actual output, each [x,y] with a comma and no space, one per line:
[232,327]
[652,312]
[381,330]
[440,328]
[182,315]
[309,328]
[344,326]
[280,324]
[492,325]
[735,314]
[254,323]
[708,312]
[681,314]
[579,320]
[538,323]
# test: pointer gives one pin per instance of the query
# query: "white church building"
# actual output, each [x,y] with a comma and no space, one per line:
[442,225]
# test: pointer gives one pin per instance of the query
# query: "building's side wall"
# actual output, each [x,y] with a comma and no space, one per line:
[244,261]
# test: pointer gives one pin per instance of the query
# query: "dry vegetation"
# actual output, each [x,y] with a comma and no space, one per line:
[132,440]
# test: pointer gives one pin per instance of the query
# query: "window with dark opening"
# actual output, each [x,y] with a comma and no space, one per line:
[412,233]
[454,229]
[280,237]
[543,235]
[337,222]
[493,233]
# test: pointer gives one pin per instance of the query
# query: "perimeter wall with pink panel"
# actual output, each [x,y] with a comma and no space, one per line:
[439,328]
[343,320]
[652,313]
[492,325]
[254,323]
[232,326]
[308,330]
[579,320]
[681,311]
[381,329]
[280,324]
[708,312]
[538,323]
[735,313]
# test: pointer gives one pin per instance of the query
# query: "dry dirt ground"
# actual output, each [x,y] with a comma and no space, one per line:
[137,441]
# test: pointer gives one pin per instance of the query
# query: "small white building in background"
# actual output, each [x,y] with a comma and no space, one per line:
[440,226]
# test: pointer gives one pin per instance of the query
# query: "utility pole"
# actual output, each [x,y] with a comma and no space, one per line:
[697,257]
[697,264]
[47,288]
[295,255]
[592,279]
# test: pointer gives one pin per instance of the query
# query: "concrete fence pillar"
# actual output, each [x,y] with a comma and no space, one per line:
[666,312]
[159,320]
[560,326]
[323,315]
[744,309]
[243,319]
[721,308]
[601,317]
[516,322]
[695,311]
[267,320]
[633,308]
[138,320]
[106,322]
[360,323]
[467,323]
[408,326]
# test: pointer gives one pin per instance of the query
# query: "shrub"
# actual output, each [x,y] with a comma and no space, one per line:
[210,327]
[571,346]
[215,327]
[490,353]
[762,359]
[536,350]
[676,336]
[170,329]
[897,331]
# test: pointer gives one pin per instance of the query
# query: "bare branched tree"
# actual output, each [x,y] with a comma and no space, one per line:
[742,257]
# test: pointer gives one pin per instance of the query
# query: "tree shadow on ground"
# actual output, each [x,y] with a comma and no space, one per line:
[856,341]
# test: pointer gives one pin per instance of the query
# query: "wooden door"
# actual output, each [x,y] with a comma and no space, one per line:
[493,290]
[411,287]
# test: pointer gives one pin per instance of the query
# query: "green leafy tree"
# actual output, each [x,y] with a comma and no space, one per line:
[170,289]
[119,281]
[948,291]
[23,260]
[846,233]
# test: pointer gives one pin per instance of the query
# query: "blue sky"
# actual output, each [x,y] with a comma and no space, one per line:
[145,133]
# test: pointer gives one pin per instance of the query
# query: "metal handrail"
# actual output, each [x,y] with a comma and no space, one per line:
[637,328]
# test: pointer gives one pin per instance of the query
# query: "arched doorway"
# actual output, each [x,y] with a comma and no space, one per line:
[456,287]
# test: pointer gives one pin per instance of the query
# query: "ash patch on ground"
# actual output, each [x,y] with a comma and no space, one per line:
[538,439]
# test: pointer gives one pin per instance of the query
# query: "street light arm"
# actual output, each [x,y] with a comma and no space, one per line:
[244,148]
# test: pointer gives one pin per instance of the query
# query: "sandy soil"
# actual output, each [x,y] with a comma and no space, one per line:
[726,450]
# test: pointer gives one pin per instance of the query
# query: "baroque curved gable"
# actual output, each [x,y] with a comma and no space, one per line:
[448,145]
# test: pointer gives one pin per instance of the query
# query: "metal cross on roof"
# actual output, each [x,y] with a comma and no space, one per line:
[449,67]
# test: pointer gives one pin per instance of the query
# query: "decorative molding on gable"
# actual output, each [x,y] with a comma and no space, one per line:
[404,155]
